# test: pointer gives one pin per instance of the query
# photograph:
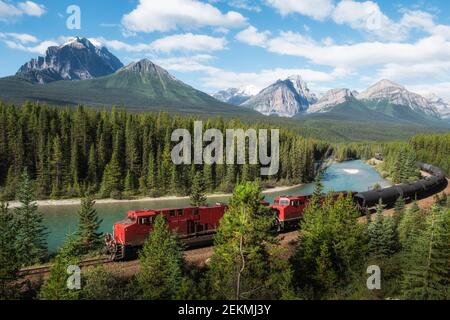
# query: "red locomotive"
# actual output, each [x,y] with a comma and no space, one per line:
[289,210]
[195,225]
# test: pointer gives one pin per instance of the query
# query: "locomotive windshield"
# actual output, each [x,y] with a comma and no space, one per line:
[284,202]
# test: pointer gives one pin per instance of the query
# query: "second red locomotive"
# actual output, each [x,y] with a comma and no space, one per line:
[194,225]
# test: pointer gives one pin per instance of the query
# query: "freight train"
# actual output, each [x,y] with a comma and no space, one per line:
[197,226]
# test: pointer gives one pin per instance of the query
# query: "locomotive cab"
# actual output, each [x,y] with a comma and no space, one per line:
[289,210]
[192,224]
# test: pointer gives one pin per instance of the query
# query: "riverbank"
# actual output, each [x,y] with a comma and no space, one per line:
[376,164]
[76,201]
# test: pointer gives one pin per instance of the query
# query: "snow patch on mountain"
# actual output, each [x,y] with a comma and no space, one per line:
[441,106]
[236,96]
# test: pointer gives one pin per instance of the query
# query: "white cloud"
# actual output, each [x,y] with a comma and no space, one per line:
[25,42]
[10,12]
[166,15]
[441,89]
[181,42]
[360,54]
[217,78]
[39,48]
[316,9]
[189,42]
[249,5]
[120,45]
[20,37]
[369,18]
[220,79]
[196,63]
[31,8]
[252,37]
[366,16]
[435,71]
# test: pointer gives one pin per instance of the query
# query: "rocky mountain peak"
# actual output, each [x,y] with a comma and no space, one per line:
[285,98]
[388,91]
[145,67]
[78,59]
[236,96]
[331,99]
[302,88]
[441,106]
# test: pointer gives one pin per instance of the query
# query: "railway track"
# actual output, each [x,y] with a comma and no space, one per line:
[46,269]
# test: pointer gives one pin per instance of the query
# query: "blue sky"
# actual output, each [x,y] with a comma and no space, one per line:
[216,44]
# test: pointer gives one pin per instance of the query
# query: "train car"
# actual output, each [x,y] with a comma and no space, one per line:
[422,188]
[289,210]
[198,225]
[194,225]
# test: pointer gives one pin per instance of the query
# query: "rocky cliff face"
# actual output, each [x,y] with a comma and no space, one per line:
[440,105]
[78,59]
[285,98]
[394,93]
[331,99]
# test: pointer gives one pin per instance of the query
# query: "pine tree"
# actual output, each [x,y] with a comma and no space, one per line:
[318,190]
[31,233]
[92,169]
[391,244]
[161,262]
[9,260]
[333,246]
[246,263]
[151,172]
[198,197]
[130,183]
[56,287]
[208,177]
[112,179]
[427,268]
[88,235]
[101,284]
[399,209]
[383,238]
[411,224]
[375,233]
[230,178]
[57,165]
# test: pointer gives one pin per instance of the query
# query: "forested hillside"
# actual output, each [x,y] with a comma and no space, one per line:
[116,153]
[433,149]
[428,148]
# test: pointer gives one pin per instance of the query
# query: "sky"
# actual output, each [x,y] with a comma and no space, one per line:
[218,44]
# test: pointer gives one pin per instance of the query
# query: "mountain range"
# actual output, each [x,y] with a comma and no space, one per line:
[292,98]
[102,81]
[79,72]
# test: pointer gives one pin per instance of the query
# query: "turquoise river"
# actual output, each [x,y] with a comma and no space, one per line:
[62,220]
